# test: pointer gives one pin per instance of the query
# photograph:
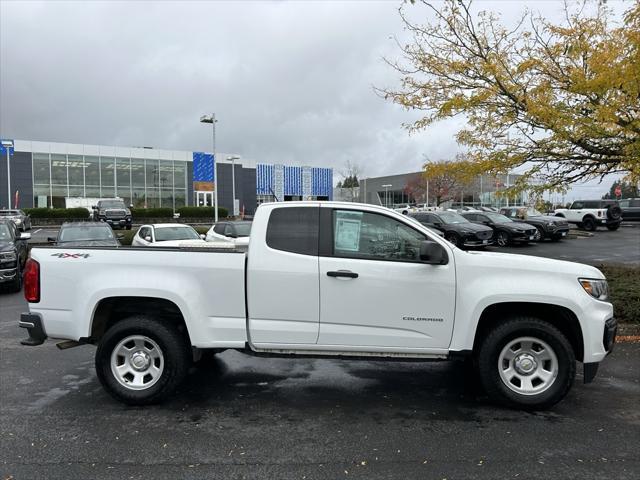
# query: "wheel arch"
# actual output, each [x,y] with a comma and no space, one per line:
[110,310]
[561,317]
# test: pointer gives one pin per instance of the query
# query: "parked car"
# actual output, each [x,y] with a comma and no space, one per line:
[630,208]
[324,279]
[85,234]
[13,254]
[547,226]
[167,235]
[505,231]
[457,229]
[432,230]
[114,212]
[488,209]
[405,209]
[590,214]
[21,219]
[236,233]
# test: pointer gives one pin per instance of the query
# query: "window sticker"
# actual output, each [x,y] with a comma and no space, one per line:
[347,234]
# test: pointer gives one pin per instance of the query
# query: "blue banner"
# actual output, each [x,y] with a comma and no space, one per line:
[203,167]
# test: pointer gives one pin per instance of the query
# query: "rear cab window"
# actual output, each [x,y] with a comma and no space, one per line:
[294,229]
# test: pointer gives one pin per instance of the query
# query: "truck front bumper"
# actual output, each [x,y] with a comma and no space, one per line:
[33,323]
[608,341]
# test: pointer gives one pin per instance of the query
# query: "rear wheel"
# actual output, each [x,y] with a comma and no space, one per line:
[140,361]
[503,239]
[589,224]
[526,363]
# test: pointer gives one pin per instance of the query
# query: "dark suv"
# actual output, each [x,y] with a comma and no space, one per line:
[547,226]
[457,229]
[114,212]
[630,208]
[13,254]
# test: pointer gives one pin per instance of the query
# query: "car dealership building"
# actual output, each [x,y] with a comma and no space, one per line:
[46,174]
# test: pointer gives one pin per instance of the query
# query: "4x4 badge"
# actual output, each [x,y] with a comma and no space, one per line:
[71,255]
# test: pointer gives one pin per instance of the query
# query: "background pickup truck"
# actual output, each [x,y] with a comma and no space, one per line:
[323,279]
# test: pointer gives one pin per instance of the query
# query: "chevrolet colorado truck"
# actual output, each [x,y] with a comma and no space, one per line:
[323,279]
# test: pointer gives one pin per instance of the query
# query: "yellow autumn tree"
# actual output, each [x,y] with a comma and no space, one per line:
[563,100]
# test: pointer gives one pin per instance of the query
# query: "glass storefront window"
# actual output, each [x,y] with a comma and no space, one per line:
[76,191]
[58,194]
[92,171]
[76,169]
[107,191]
[181,197]
[137,173]
[153,198]
[41,195]
[138,200]
[166,198]
[59,169]
[153,173]
[92,192]
[180,172]
[166,175]
[107,167]
[41,170]
[123,177]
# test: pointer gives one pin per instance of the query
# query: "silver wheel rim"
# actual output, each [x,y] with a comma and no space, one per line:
[528,366]
[537,236]
[137,362]
[502,239]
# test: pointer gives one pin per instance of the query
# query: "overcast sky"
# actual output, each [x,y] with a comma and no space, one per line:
[290,82]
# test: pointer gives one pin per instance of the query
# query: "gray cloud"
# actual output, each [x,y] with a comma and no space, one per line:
[290,82]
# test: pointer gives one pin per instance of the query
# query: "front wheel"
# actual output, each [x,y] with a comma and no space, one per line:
[539,235]
[139,361]
[526,363]
[503,239]
[589,224]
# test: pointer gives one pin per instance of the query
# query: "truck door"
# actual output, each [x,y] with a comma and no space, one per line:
[282,278]
[374,291]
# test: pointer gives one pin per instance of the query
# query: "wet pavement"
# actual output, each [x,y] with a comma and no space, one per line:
[249,417]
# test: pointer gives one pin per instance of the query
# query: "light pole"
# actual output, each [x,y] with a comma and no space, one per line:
[233,180]
[8,144]
[212,120]
[386,194]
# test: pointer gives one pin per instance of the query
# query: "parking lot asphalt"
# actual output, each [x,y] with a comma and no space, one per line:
[247,417]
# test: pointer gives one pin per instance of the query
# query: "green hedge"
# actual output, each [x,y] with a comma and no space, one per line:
[152,213]
[624,291]
[201,212]
[57,212]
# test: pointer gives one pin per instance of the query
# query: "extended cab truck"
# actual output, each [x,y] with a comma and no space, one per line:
[324,279]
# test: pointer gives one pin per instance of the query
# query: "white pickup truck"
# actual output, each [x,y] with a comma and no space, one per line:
[324,279]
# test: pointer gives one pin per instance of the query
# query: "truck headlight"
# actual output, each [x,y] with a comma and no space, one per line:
[17,221]
[8,257]
[596,288]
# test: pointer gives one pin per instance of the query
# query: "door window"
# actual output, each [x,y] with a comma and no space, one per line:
[228,230]
[144,232]
[375,237]
[576,205]
[219,228]
[294,229]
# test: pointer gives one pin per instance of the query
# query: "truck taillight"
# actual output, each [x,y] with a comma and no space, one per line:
[32,281]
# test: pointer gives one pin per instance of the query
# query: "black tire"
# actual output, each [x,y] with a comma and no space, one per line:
[556,238]
[539,235]
[614,212]
[613,226]
[530,327]
[589,224]
[176,356]
[453,238]
[128,227]
[503,239]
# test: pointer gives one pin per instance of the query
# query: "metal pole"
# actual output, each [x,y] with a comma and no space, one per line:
[233,183]
[427,193]
[215,170]
[8,179]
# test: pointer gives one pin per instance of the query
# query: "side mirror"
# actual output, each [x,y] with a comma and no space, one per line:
[25,236]
[147,239]
[203,236]
[433,253]
[51,239]
[94,207]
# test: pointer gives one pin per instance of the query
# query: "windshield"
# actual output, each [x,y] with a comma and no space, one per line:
[77,234]
[532,212]
[452,217]
[176,233]
[9,213]
[243,229]
[5,234]
[111,204]
[497,217]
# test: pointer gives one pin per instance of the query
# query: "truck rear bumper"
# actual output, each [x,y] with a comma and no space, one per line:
[33,323]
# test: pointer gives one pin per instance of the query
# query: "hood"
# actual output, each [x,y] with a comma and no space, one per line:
[547,218]
[467,227]
[517,226]
[512,261]
[6,246]
[89,243]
